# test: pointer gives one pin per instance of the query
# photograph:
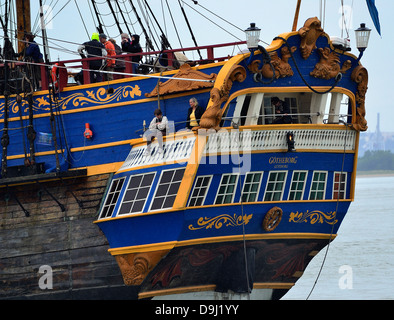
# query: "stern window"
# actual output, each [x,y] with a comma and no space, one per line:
[167,189]
[275,186]
[200,190]
[227,188]
[339,185]
[251,186]
[318,187]
[112,198]
[297,185]
[136,194]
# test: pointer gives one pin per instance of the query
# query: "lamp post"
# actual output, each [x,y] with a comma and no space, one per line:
[362,38]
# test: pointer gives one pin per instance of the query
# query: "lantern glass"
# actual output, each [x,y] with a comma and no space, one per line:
[362,37]
[252,36]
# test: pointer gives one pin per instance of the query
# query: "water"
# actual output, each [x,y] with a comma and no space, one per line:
[360,261]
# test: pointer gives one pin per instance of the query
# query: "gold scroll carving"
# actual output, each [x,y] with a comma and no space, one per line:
[213,115]
[175,85]
[360,76]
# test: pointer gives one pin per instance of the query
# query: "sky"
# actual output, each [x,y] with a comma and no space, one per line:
[272,17]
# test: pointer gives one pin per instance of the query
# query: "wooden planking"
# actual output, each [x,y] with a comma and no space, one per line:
[68,242]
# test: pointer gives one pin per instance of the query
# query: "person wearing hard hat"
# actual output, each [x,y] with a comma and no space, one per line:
[93,49]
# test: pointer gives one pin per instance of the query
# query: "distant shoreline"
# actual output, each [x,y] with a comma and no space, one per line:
[375,173]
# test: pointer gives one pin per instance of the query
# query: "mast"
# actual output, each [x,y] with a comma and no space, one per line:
[297,13]
[23,21]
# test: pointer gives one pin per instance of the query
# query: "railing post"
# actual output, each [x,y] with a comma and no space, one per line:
[210,53]
[44,77]
[170,57]
[128,65]
[86,73]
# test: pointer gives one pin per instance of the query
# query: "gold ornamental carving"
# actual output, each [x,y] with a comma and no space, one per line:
[309,34]
[136,266]
[314,217]
[176,85]
[224,220]
[329,65]
[281,65]
[213,115]
[360,76]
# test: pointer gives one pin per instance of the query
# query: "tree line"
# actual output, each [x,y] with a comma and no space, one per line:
[376,160]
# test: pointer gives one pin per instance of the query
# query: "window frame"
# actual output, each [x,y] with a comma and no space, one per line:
[298,181]
[133,201]
[205,193]
[118,191]
[226,185]
[159,184]
[334,183]
[273,192]
[258,189]
[325,185]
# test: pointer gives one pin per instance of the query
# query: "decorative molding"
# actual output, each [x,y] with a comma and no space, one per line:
[87,98]
[213,115]
[360,76]
[175,85]
[314,217]
[281,65]
[136,266]
[309,34]
[220,221]
[329,65]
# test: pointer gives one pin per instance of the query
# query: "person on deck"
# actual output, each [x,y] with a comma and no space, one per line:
[32,53]
[119,62]
[132,46]
[93,49]
[157,128]
[282,111]
[110,62]
[194,114]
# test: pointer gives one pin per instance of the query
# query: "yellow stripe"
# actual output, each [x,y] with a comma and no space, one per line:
[143,248]
[250,237]
[211,287]
[190,172]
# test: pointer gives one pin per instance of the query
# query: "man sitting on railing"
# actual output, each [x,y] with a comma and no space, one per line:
[157,128]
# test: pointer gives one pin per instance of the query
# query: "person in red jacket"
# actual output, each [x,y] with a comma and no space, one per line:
[110,63]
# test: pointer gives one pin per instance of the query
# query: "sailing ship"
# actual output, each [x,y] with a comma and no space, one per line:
[235,207]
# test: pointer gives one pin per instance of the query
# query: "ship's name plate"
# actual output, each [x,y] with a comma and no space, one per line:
[283,160]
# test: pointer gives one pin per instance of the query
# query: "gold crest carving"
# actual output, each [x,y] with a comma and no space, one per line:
[175,85]
[329,65]
[309,34]
[281,65]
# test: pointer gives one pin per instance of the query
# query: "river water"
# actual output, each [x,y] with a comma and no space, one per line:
[359,263]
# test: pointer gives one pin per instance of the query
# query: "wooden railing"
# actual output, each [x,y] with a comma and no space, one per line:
[130,67]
